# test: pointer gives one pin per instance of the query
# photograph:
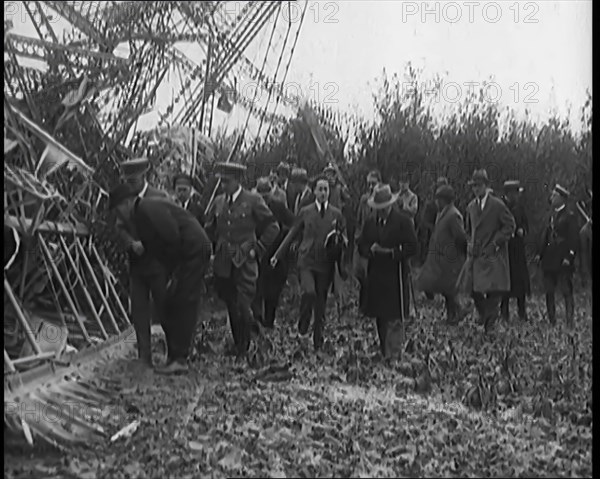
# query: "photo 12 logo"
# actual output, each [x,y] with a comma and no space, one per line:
[454,12]
[293,92]
[491,91]
[290,12]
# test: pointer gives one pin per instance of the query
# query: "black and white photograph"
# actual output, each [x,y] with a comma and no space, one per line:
[279,239]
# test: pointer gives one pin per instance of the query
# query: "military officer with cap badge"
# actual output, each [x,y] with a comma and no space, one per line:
[558,248]
[234,220]
[147,276]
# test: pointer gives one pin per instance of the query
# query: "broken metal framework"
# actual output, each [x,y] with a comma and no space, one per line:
[66,130]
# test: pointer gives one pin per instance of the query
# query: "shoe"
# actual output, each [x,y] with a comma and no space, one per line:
[173,367]
[303,327]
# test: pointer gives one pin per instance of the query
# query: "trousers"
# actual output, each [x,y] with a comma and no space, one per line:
[270,286]
[487,306]
[504,306]
[563,281]
[315,286]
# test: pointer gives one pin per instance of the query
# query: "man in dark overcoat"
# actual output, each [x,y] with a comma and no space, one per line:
[235,218]
[271,280]
[171,236]
[147,278]
[314,224]
[446,254]
[388,240]
[520,286]
[490,225]
[557,252]
[186,197]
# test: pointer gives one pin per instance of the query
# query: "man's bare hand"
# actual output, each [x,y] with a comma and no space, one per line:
[520,232]
[376,248]
[137,247]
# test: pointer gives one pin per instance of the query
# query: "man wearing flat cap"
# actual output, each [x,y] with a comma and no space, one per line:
[490,225]
[172,237]
[244,228]
[387,240]
[557,252]
[520,286]
[271,280]
[186,197]
[446,254]
[147,278]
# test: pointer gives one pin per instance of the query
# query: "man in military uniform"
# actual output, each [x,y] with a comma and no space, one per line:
[271,280]
[234,221]
[147,277]
[519,274]
[558,248]
[186,197]
[315,223]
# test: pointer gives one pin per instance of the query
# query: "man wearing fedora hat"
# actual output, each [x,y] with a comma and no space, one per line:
[314,224]
[237,217]
[172,237]
[557,252]
[186,198]
[519,274]
[446,254]
[490,225]
[388,240]
[271,280]
[147,278]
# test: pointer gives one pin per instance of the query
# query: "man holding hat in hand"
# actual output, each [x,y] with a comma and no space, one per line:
[490,225]
[147,278]
[557,252]
[519,274]
[446,253]
[244,228]
[172,237]
[387,240]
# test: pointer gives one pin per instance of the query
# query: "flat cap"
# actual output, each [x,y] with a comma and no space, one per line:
[230,169]
[119,194]
[562,191]
[135,167]
[182,178]
[446,192]
[299,174]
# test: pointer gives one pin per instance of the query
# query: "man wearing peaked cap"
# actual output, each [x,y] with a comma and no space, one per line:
[558,249]
[147,276]
[243,228]
[520,286]
[271,280]
[446,254]
[490,225]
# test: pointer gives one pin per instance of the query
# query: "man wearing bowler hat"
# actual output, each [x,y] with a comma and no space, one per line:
[172,237]
[147,277]
[271,280]
[490,225]
[387,240]
[186,197]
[519,274]
[244,228]
[557,252]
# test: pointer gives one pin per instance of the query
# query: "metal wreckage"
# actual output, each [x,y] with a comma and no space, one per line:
[72,100]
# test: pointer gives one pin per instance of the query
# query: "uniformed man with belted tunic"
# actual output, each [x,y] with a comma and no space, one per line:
[234,220]
[147,276]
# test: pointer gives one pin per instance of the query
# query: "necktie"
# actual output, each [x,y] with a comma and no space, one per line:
[230,200]
[480,204]
[322,210]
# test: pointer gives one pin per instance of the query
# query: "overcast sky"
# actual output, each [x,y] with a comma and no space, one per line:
[539,54]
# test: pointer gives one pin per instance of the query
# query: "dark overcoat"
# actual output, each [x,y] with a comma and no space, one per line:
[560,241]
[446,254]
[519,273]
[383,270]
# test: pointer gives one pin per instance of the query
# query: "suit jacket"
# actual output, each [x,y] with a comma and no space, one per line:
[383,273]
[196,209]
[489,231]
[127,234]
[312,253]
[285,220]
[235,231]
[303,199]
[170,234]
[559,241]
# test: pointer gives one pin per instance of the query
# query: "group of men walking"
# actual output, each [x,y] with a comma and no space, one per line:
[254,236]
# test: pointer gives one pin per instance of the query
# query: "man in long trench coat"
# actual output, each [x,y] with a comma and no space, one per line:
[490,226]
[519,274]
[446,254]
[388,240]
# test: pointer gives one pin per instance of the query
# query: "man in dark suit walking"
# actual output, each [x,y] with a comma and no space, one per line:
[186,197]
[557,251]
[147,278]
[234,220]
[172,237]
[314,223]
